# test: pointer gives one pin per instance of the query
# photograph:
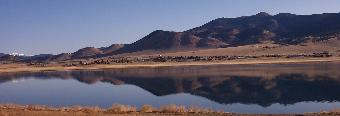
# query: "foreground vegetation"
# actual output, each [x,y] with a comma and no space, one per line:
[116,109]
[126,110]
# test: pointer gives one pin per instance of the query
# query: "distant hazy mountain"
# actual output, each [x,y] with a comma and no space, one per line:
[80,54]
[8,58]
[283,28]
[39,57]
[2,54]
[11,57]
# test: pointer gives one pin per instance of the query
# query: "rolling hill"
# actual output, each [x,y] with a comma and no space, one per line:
[83,53]
[283,28]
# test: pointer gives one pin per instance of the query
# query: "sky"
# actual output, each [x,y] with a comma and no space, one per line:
[63,26]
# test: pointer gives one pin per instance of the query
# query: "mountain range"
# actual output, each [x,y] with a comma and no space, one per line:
[86,52]
[283,29]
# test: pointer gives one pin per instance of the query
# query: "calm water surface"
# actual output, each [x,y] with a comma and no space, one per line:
[274,88]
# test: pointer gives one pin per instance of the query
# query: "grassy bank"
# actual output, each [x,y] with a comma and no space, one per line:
[116,109]
[126,110]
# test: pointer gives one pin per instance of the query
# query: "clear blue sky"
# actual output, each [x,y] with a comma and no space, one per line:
[55,26]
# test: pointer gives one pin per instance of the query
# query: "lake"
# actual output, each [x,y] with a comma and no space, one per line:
[261,88]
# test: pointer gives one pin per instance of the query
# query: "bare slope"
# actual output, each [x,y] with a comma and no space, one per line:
[283,28]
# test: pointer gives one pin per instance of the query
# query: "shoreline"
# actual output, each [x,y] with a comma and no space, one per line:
[127,110]
[115,109]
[23,67]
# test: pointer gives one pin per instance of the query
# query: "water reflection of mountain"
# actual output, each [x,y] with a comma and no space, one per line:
[247,84]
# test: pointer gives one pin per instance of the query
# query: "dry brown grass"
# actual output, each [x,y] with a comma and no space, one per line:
[196,109]
[126,110]
[147,109]
[116,109]
[173,109]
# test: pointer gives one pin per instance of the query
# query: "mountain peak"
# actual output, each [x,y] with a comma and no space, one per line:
[161,32]
[263,14]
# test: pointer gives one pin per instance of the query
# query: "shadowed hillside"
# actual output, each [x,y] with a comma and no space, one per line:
[83,53]
[2,54]
[111,48]
[283,28]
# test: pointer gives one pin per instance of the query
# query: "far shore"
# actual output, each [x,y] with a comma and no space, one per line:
[22,67]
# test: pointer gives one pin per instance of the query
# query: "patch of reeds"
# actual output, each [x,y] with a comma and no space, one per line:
[117,108]
[147,109]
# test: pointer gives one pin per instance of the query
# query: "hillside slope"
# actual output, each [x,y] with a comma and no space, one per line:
[283,28]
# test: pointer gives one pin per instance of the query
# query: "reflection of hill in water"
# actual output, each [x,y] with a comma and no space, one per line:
[248,84]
